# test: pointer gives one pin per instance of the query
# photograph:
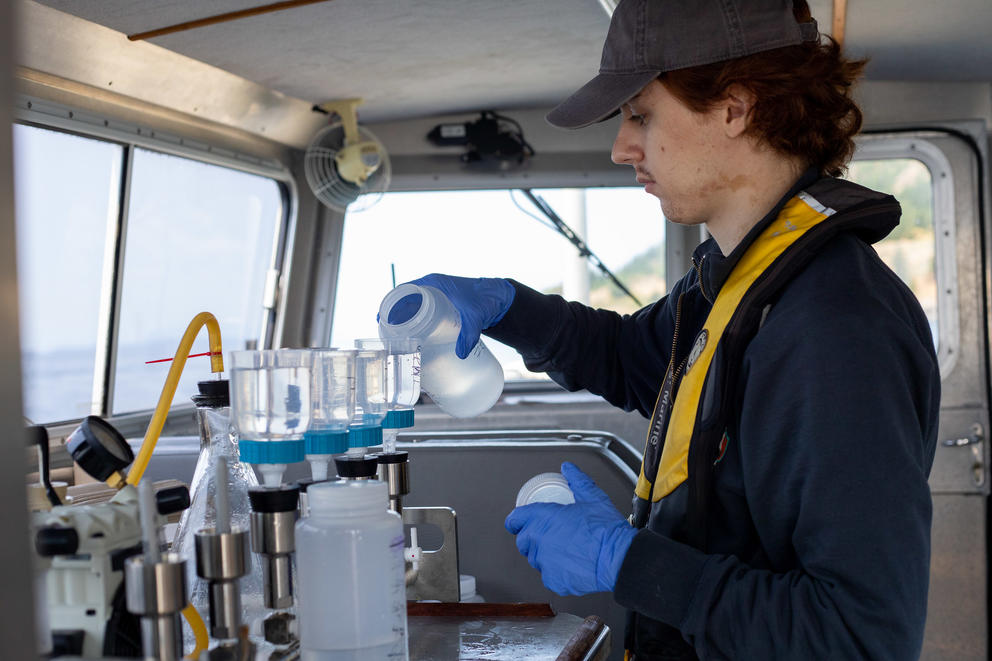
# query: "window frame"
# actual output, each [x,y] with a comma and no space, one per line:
[888,146]
[51,116]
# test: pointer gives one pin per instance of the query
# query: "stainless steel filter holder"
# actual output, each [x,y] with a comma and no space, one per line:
[222,559]
[157,593]
[273,521]
[394,470]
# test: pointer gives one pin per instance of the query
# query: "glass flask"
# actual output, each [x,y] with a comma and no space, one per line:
[217,440]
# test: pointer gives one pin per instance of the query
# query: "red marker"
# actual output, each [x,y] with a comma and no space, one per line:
[192,355]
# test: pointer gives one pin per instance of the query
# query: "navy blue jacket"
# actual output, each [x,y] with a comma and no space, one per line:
[819,526]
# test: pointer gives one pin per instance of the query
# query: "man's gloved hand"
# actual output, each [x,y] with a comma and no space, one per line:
[577,548]
[481,303]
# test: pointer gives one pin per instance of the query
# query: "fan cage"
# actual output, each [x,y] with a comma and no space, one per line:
[327,184]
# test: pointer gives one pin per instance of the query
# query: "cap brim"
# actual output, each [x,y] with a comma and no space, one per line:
[599,99]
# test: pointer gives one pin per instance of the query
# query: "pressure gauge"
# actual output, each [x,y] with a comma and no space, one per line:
[99,449]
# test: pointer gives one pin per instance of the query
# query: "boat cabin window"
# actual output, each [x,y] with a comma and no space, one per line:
[118,248]
[199,237]
[911,248]
[66,192]
[500,233]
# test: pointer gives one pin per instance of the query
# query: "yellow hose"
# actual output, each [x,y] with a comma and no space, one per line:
[199,630]
[169,390]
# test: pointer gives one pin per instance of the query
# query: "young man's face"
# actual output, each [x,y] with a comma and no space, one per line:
[678,154]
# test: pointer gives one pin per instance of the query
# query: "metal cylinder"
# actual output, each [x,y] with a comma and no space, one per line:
[273,533]
[222,556]
[278,578]
[225,609]
[157,593]
[397,476]
[162,637]
[222,559]
[273,537]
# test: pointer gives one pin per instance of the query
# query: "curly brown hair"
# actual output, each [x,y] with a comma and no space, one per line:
[803,105]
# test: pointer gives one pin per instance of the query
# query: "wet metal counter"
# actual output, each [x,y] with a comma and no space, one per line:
[510,632]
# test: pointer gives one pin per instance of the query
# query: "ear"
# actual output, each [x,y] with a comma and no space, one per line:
[737,108]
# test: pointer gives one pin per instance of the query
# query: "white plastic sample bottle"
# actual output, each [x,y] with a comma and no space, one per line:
[461,388]
[349,551]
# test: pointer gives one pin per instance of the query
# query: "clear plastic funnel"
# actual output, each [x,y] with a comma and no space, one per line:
[402,383]
[332,396]
[270,407]
[371,403]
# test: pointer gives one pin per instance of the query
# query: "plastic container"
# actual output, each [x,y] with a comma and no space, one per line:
[466,587]
[270,407]
[461,388]
[371,403]
[402,383]
[332,398]
[545,488]
[352,603]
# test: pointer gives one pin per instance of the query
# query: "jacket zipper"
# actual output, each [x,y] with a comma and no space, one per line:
[699,276]
[675,335]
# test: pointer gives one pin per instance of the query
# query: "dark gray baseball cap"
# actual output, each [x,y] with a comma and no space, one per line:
[649,37]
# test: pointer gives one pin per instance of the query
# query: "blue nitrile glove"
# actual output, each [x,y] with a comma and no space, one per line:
[481,303]
[577,548]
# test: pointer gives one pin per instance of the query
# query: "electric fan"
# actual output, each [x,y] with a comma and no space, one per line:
[346,166]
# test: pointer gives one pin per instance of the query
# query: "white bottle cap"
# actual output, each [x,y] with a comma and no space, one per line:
[545,488]
[348,498]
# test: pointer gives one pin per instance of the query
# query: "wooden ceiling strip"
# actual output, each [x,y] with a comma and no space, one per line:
[840,21]
[223,18]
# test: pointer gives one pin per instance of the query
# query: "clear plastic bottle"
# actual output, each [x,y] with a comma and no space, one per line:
[332,395]
[349,553]
[270,407]
[462,388]
[216,440]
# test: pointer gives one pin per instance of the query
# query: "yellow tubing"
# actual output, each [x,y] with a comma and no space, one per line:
[169,390]
[199,630]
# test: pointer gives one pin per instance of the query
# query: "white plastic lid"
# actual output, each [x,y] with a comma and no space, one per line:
[545,488]
[348,498]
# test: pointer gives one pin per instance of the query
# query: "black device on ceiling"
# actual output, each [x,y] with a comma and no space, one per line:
[491,139]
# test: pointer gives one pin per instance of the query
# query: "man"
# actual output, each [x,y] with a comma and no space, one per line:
[782,511]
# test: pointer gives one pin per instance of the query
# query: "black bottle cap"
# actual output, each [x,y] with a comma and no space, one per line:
[214,394]
[54,541]
[352,467]
[172,500]
[274,499]
[392,457]
[98,448]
